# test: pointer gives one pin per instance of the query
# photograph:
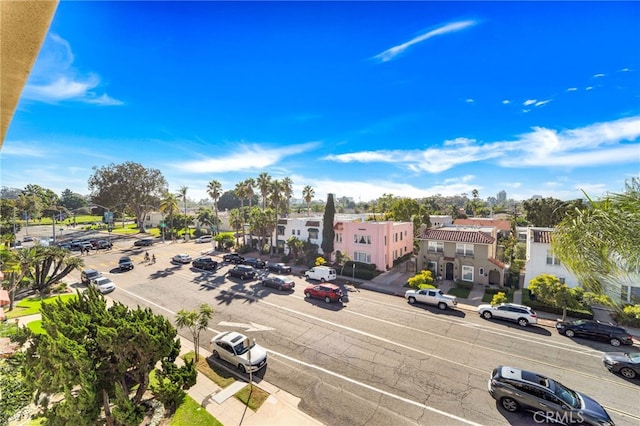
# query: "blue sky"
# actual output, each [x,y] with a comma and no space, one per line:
[355,98]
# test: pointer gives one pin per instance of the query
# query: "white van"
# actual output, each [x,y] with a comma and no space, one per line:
[321,273]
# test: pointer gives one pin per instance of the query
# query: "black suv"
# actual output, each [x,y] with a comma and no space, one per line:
[206,263]
[144,242]
[243,272]
[595,330]
[88,275]
[233,258]
[125,263]
[280,268]
[549,400]
[255,262]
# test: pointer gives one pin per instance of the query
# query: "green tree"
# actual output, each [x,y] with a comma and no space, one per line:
[328,233]
[499,298]
[263,183]
[128,184]
[403,209]
[249,189]
[169,206]
[307,195]
[16,265]
[423,279]
[287,193]
[598,243]
[545,212]
[182,193]
[16,392]
[48,265]
[195,321]
[28,207]
[261,223]
[236,220]
[276,203]
[214,189]
[550,290]
[99,358]
[72,201]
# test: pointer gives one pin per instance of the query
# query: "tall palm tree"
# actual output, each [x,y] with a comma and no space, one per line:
[249,187]
[264,185]
[276,198]
[214,189]
[169,206]
[182,192]
[287,192]
[241,192]
[236,221]
[307,194]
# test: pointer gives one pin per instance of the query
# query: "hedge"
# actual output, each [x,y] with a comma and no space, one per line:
[359,265]
[583,313]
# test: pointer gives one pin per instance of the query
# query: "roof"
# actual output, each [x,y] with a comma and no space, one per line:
[501,224]
[496,262]
[312,223]
[541,236]
[476,237]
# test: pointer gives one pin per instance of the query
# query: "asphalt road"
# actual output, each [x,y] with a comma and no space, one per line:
[373,359]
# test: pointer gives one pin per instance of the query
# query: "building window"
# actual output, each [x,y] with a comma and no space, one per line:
[339,237]
[362,239]
[561,279]
[464,249]
[293,232]
[360,256]
[385,240]
[298,232]
[481,271]
[401,236]
[467,273]
[551,259]
[433,267]
[313,234]
[435,246]
[280,230]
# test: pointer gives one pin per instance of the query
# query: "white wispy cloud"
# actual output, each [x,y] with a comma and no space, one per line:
[572,89]
[391,53]
[469,100]
[599,75]
[24,149]
[506,102]
[614,142]
[588,88]
[529,102]
[541,103]
[53,78]
[243,156]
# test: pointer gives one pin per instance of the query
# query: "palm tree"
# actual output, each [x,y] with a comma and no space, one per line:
[264,185]
[205,215]
[182,192]
[287,190]
[241,192]
[307,194]
[196,321]
[169,206]
[276,198]
[236,221]
[249,186]
[214,189]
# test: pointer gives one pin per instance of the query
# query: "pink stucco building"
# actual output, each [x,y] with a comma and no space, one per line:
[378,243]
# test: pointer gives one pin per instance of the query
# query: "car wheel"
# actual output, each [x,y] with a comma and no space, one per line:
[216,355]
[627,372]
[442,306]
[241,368]
[412,300]
[327,299]
[242,277]
[615,342]
[522,322]
[486,315]
[307,295]
[509,404]
[569,333]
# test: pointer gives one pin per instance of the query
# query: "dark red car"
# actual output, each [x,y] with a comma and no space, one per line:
[328,292]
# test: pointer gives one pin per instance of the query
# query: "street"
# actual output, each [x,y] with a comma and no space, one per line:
[374,359]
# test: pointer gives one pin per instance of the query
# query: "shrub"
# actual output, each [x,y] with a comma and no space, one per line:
[499,298]
[629,316]
[423,277]
[464,284]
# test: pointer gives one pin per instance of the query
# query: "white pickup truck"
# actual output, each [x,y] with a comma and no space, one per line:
[431,296]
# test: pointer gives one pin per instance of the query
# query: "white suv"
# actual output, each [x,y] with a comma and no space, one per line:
[521,314]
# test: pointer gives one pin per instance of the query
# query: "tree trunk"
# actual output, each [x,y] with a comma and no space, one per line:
[107,408]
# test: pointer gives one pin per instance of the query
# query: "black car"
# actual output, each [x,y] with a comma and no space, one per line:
[255,262]
[233,258]
[278,281]
[103,244]
[206,263]
[89,274]
[144,242]
[279,268]
[625,363]
[125,263]
[595,330]
[243,272]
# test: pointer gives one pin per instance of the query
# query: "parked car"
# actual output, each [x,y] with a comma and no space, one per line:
[89,274]
[86,245]
[625,363]
[206,263]
[238,349]
[279,268]
[243,272]
[233,258]
[28,238]
[66,246]
[521,314]
[182,258]
[102,244]
[431,296]
[143,242]
[328,292]
[103,284]
[125,263]
[278,281]
[321,273]
[550,401]
[595,330]
[204,239]
[255,262]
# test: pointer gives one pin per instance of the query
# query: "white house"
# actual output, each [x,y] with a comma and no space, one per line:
[540,258]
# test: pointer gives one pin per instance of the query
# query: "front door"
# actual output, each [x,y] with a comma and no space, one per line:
[448,273]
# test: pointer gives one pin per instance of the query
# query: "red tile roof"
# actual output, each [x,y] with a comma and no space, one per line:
[501,224]
[497,262]
[478,237]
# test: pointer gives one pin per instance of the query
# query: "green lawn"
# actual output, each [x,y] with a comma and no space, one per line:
[31,305]
[190,413]
[252,396]
[461,293]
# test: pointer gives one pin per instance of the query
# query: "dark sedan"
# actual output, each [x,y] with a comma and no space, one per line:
[595,330]
[206,263]
[627,364]
[243,272]
[279,282]
[255,262]
[279,268]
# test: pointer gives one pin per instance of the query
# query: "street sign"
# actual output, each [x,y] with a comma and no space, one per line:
[162,225]
[108,217]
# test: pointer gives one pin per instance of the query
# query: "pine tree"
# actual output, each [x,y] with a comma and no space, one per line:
[328,234]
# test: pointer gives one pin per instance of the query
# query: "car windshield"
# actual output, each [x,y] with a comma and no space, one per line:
[242,347]
[567,395]
[634,357]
